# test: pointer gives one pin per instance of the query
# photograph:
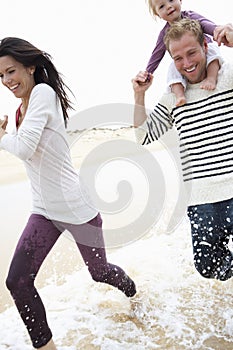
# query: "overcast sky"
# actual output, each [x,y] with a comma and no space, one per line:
[98,45]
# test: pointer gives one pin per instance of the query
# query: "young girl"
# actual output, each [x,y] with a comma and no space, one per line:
[170,11]
[60,201]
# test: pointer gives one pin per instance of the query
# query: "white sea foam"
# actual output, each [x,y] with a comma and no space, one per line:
[177,309]
[181,310]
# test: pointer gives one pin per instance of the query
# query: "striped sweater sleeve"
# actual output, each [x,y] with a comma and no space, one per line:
[157,124]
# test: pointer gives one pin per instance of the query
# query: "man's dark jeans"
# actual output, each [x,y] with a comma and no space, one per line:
[211,228]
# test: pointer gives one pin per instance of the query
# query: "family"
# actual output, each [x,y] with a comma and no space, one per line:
[198,103]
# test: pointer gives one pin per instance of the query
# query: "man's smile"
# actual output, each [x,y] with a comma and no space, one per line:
[190,70]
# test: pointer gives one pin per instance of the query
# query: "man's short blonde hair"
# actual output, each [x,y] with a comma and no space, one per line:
[179,28]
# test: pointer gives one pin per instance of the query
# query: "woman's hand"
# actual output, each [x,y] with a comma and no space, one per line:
[4,122]
[2,132]
[3,125]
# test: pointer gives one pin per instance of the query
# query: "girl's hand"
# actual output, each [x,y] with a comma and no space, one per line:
[4,122]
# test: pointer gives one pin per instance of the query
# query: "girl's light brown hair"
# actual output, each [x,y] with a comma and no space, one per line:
[152,10]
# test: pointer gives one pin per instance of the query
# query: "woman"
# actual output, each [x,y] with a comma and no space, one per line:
[60,201]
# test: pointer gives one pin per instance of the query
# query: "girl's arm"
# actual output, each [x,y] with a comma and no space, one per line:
[158,52]
[207,25]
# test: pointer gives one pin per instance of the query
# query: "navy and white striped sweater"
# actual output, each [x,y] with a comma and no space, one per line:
[205,129]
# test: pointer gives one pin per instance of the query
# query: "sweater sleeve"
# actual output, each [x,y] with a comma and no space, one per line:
[24,143]
[157,124]
[158,52]
[207,25]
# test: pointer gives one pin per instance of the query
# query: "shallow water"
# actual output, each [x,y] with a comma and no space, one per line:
[177,308]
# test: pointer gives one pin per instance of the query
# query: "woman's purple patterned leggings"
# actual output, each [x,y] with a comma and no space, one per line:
[38,238]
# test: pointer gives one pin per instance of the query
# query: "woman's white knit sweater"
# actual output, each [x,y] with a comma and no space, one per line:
[40,142]
[205,129]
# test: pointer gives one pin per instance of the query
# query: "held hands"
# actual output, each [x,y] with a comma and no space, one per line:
[224,35]
[142,81]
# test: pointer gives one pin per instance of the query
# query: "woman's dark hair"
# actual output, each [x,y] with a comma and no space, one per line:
[45,72]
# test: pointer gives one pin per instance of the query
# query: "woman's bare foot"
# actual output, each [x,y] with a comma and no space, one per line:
[49,346]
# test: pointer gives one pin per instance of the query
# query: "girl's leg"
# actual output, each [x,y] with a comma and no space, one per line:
[37,239]
[214,63]
[210,82]
[90,241]
[177,84]
[178,90]
[210,236]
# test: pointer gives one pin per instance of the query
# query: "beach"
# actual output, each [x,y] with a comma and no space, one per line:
[177,309]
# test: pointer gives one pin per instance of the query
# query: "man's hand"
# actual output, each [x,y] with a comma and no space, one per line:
[224,35]
[142,81]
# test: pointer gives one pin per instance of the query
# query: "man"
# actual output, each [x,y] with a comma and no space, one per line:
[205,129]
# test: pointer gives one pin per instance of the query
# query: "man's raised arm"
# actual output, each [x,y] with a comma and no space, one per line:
[141,83]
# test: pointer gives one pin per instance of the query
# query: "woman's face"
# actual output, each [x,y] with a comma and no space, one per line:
[17,78]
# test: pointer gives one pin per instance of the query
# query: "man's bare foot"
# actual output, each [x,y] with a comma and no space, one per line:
[180,101]
[208,84]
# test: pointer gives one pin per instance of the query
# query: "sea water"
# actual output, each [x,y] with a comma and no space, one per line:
[175,307]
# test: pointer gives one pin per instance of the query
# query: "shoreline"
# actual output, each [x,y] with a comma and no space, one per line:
[81,143]
[12,169]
